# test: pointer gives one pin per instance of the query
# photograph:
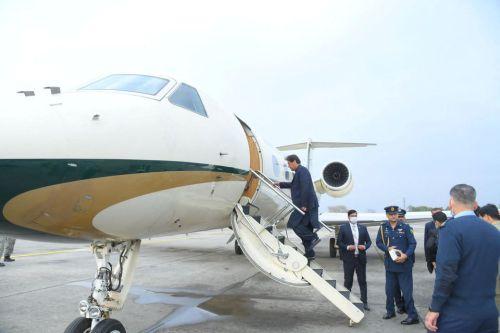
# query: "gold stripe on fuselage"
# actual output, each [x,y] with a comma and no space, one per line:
[68,209]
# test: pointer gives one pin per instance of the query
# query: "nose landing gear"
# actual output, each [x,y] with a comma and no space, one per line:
[109,288]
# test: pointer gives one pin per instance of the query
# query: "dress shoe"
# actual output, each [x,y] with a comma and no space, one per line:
[389,316]
[8,259]
[401,311]
[366,307]
[409,321]
[2,264]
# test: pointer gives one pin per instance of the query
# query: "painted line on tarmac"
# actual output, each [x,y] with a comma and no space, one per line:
[34,254]
[87,249]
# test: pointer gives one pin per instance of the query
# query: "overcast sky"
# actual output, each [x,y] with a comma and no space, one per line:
[419,78]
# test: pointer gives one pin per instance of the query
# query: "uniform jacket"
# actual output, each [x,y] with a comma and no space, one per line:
[467,268]
[402,238]
[346,238]
[303,195]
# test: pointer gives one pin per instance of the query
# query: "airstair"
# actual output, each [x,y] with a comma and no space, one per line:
[282,260]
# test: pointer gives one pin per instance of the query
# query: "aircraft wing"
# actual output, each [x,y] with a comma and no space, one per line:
[317,144]
[370,219]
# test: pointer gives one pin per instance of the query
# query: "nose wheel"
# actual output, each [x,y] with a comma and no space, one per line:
[83,325]
[109,326]
[79,325]
[237,248]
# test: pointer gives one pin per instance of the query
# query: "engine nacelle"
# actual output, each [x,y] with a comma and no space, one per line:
[336,180]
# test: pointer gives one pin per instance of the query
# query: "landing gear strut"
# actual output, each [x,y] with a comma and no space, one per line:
[237,248]
[333,245]
[333,250]
[109,288]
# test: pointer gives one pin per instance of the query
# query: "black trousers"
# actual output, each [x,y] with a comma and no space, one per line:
[360,268]
[306,234]
[398,297]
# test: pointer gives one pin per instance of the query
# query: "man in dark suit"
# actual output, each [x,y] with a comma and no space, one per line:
[433,239]
[353,241]
[466,270]
[304,197]
[430,229]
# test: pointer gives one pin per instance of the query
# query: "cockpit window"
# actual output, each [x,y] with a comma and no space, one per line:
[142,84]
[188,98]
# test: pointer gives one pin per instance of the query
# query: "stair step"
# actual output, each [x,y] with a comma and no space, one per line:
[319,271]
[281,239]
[332,283]
[345,293]
[359,306]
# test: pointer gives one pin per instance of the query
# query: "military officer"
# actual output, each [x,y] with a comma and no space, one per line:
[7,244]
[398,294]
[9,248]
[397,238]
[2,244]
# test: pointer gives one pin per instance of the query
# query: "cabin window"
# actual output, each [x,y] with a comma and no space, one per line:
[276,167]
[188,98]
[142,84]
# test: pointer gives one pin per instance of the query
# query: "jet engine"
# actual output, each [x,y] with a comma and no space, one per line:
[336,180]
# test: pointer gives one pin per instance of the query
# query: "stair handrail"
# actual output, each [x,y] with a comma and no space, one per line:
[278,254]
[276,190]
[325,226]
[282,195]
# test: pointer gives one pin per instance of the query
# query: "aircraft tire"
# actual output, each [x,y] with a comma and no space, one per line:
[79,325]
[237,248]
[333,249]
[109,326]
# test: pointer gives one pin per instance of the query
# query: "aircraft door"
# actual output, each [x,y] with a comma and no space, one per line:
[253,184]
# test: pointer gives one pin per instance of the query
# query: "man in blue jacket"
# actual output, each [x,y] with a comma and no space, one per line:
[466,270]
[398,243]
[304,197]
[353,241]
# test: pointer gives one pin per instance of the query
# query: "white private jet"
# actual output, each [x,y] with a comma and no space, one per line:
[129,157]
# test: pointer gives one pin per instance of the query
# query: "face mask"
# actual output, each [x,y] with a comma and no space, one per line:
[353,220]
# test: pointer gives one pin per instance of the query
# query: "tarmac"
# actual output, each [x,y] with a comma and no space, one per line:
[193,283]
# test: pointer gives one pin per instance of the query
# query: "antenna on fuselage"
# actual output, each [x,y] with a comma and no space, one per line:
[27,93]
[54,90]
